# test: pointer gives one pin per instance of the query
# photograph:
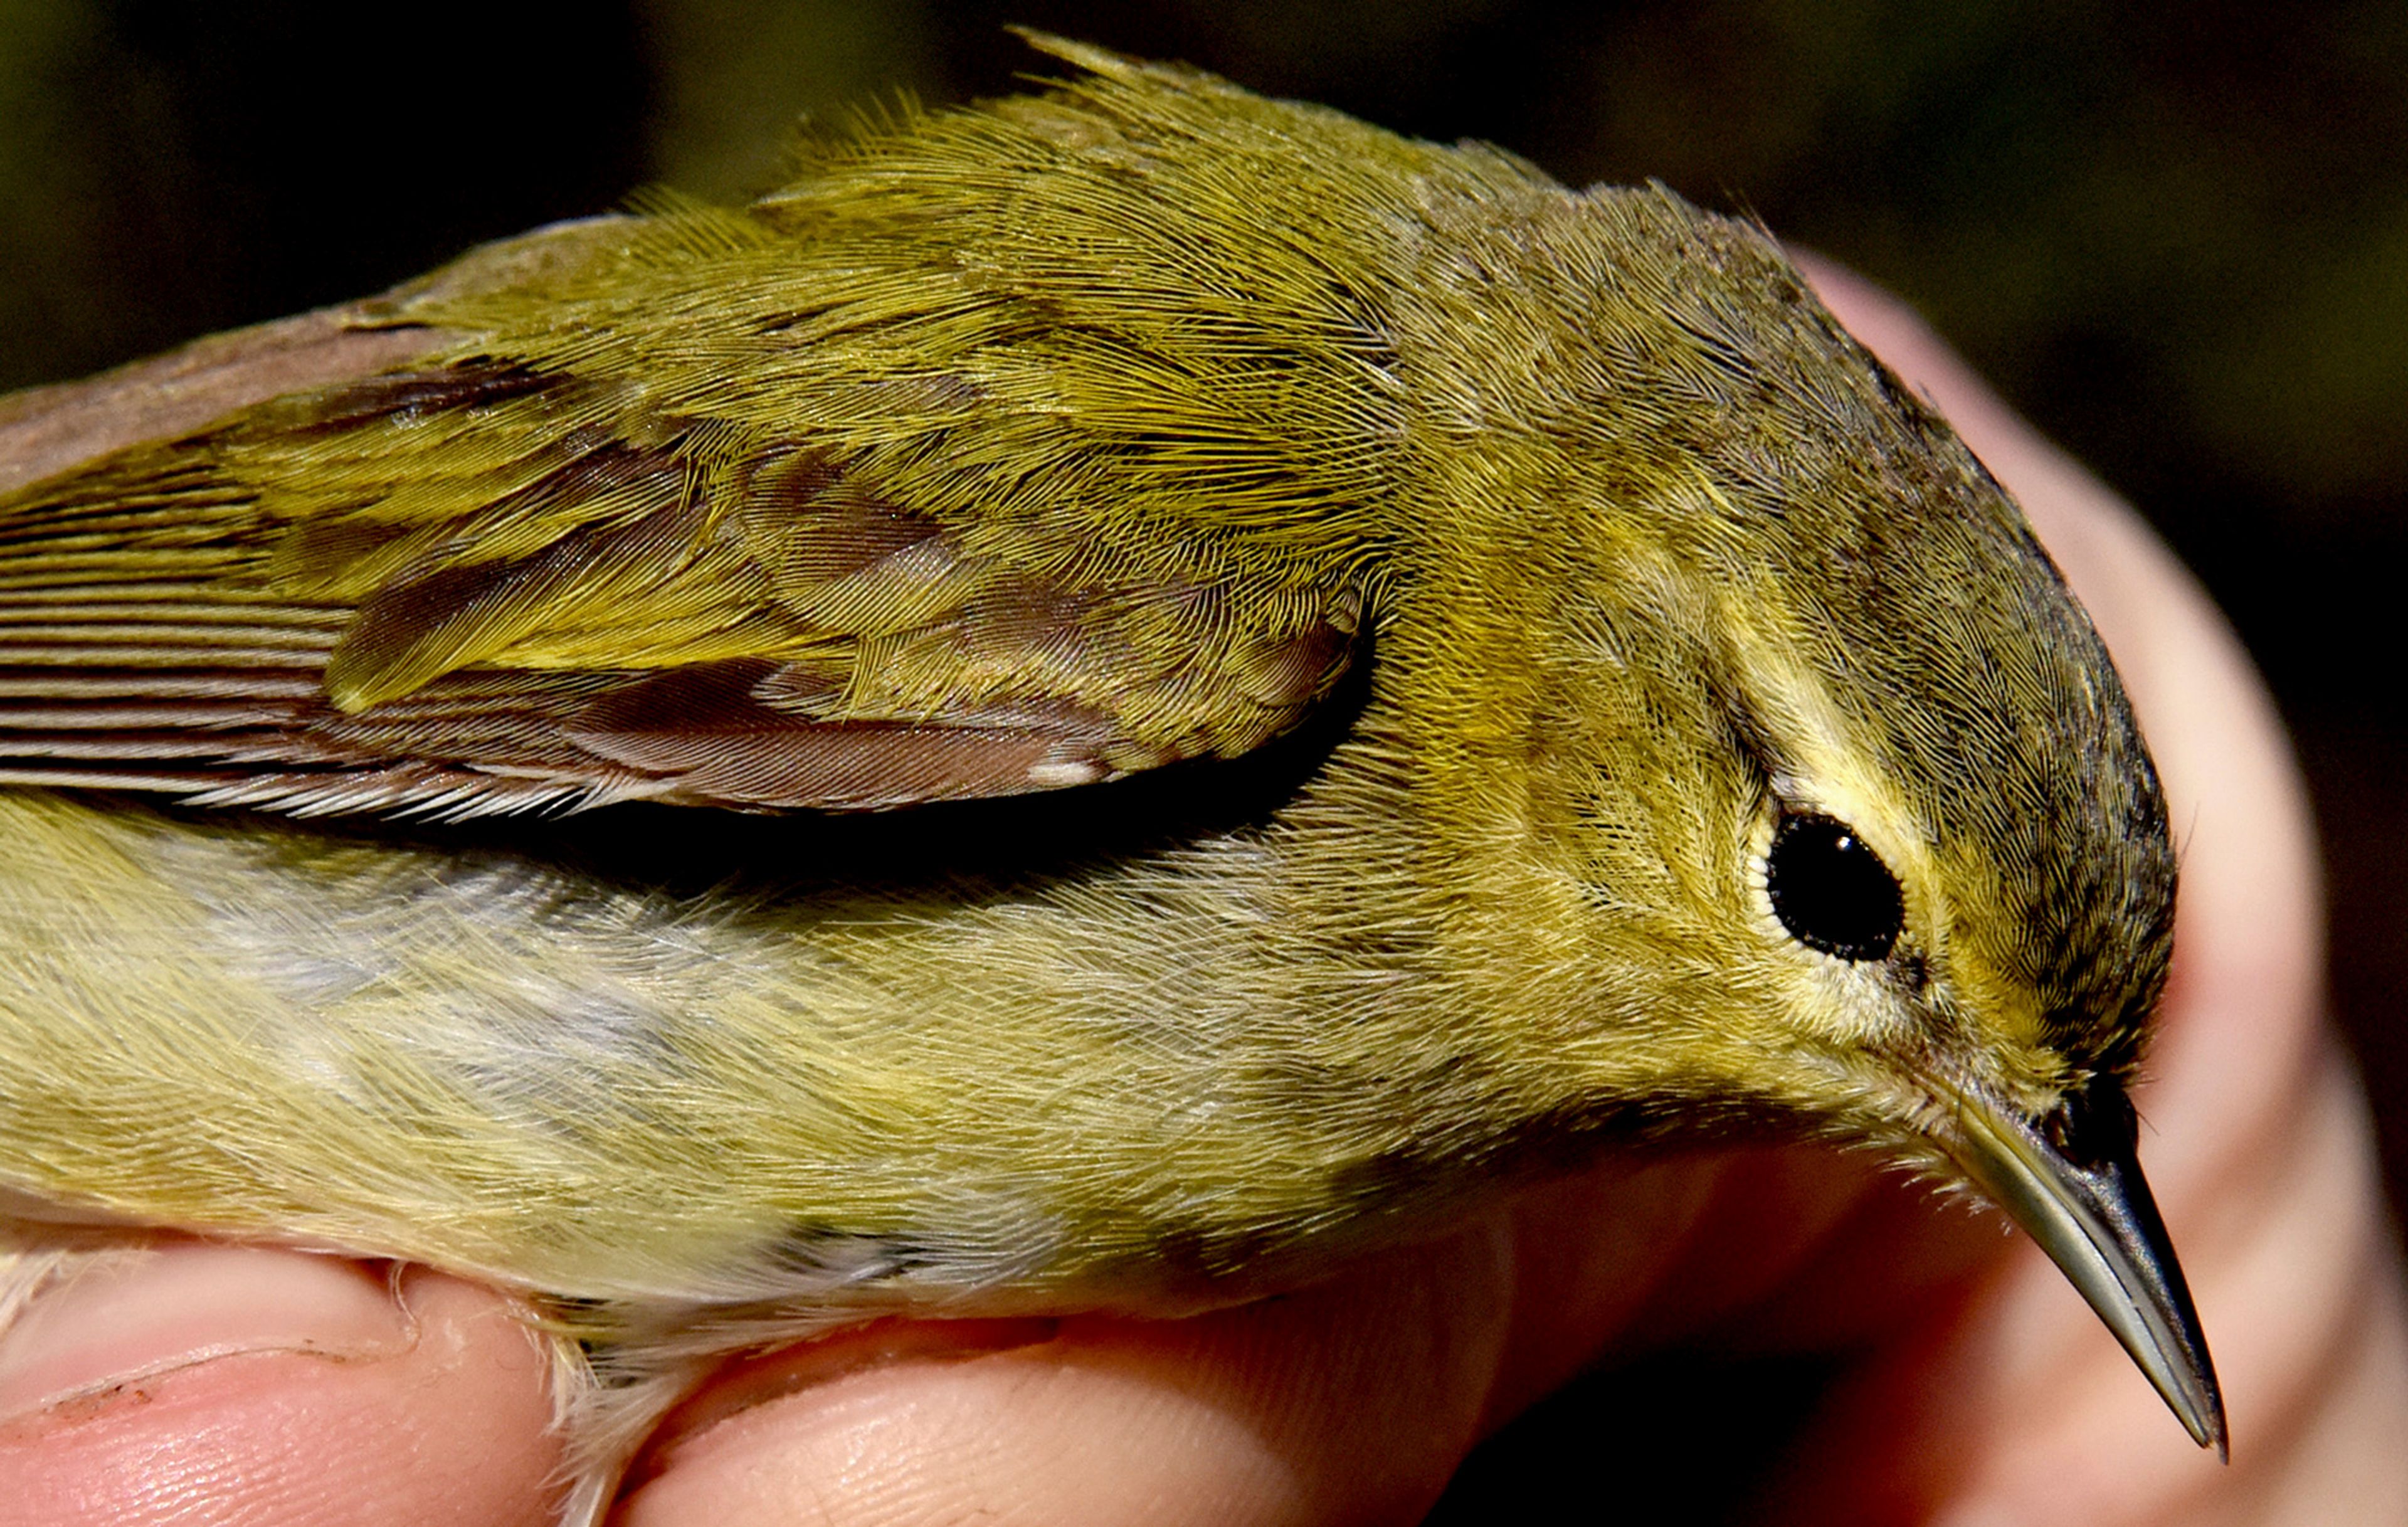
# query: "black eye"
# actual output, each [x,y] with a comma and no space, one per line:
[1831,891]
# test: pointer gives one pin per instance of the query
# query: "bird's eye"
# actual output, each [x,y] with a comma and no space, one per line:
[1831,891]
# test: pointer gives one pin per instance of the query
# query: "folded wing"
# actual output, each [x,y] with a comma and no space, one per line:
[474,589]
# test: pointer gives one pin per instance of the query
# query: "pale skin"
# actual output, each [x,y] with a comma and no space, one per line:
[264,1387]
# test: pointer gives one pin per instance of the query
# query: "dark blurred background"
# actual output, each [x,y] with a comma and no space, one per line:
[2177,235]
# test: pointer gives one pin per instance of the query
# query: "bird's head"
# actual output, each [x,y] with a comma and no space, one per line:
[1832,792]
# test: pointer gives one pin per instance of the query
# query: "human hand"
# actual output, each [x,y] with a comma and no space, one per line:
[222,1383]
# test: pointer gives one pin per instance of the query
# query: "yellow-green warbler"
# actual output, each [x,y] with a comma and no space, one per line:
[1306,675]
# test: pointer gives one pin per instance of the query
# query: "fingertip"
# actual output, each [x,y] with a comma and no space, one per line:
[190,1381]
[1352,1401]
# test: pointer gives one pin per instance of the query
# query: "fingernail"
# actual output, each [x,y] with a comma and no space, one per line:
[123,1318]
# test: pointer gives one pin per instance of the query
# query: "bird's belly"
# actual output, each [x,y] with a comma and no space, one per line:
[489,1064]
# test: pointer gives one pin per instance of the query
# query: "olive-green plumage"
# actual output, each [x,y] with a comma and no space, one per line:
[1566,547]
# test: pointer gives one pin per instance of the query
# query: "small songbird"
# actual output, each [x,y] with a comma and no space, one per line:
[1108,699]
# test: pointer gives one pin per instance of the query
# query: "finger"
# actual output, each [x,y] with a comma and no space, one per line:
[1348,1403]
[186,1382]
[1353,1402]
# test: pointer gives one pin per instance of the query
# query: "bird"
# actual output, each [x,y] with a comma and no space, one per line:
[1103,701]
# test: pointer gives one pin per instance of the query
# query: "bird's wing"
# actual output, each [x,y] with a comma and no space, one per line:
[928,476]
[473,587]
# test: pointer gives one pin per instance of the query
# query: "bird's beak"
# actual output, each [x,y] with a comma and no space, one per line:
[2072,1181]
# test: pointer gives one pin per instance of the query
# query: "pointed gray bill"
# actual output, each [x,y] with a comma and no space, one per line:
[2073,1182]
